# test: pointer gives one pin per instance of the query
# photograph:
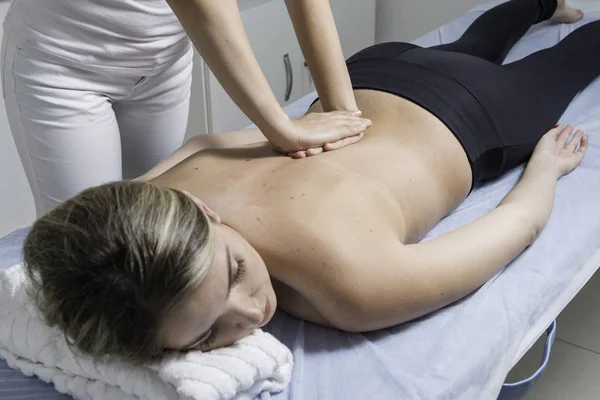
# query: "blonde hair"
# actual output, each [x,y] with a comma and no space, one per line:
[108,265]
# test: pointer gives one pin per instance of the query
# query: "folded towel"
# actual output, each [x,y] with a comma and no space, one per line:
[255,364]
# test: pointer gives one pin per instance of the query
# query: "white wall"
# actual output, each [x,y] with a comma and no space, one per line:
[405,20]
[16,201]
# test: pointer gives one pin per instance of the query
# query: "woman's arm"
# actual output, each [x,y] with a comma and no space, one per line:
[413,280]
[217,31]
[315,27]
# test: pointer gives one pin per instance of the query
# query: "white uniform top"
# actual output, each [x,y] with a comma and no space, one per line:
[136,36]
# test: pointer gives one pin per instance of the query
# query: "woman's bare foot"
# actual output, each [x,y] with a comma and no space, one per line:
[566,14]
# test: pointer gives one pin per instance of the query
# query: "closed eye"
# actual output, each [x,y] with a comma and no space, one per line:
[208,342]
[238,277]
[241,270]
[204,343]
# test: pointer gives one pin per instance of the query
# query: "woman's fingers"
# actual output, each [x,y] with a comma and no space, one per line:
[563,136]
[574,142]
[556,130]
[583,146]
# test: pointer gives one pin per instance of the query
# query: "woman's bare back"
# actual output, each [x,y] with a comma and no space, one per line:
[409,164]
[308,217]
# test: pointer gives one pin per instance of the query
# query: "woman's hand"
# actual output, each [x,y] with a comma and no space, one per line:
[315,133]
[555,151]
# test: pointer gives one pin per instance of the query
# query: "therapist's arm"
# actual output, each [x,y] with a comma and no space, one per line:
[216,29]
[318,37]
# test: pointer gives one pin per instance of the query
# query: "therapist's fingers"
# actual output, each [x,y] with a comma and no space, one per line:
[314,151]
[345,114]
[306,153]
[314,130]
[344,142]
[298,154]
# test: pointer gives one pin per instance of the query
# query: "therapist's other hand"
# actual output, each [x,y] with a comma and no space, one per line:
[315,133]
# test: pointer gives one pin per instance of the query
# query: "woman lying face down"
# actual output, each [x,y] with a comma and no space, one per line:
[134,269]
[153,271]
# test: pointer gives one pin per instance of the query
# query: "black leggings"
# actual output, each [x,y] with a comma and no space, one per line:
[497,112]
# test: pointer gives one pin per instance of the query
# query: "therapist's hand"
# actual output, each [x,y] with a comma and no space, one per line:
[315,133]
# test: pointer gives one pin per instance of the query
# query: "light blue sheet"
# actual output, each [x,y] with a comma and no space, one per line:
[463,351]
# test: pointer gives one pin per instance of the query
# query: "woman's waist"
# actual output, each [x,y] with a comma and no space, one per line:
[432,90]
[437,93]
[409,135]
[399,117]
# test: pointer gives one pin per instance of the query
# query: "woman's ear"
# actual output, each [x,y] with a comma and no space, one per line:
[211,214]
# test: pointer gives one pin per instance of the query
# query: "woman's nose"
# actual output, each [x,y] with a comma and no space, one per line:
[248,311]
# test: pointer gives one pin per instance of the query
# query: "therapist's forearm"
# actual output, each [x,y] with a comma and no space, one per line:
[318,37]
[216,29]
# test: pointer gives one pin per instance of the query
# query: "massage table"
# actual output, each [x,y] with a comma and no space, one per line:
[465,350]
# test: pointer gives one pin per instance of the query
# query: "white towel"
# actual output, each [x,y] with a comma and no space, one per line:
[254,364]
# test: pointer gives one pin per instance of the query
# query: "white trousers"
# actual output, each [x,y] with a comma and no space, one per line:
[75,128]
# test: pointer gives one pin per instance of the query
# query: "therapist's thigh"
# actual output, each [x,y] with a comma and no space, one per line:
[67,139]
[153,119]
